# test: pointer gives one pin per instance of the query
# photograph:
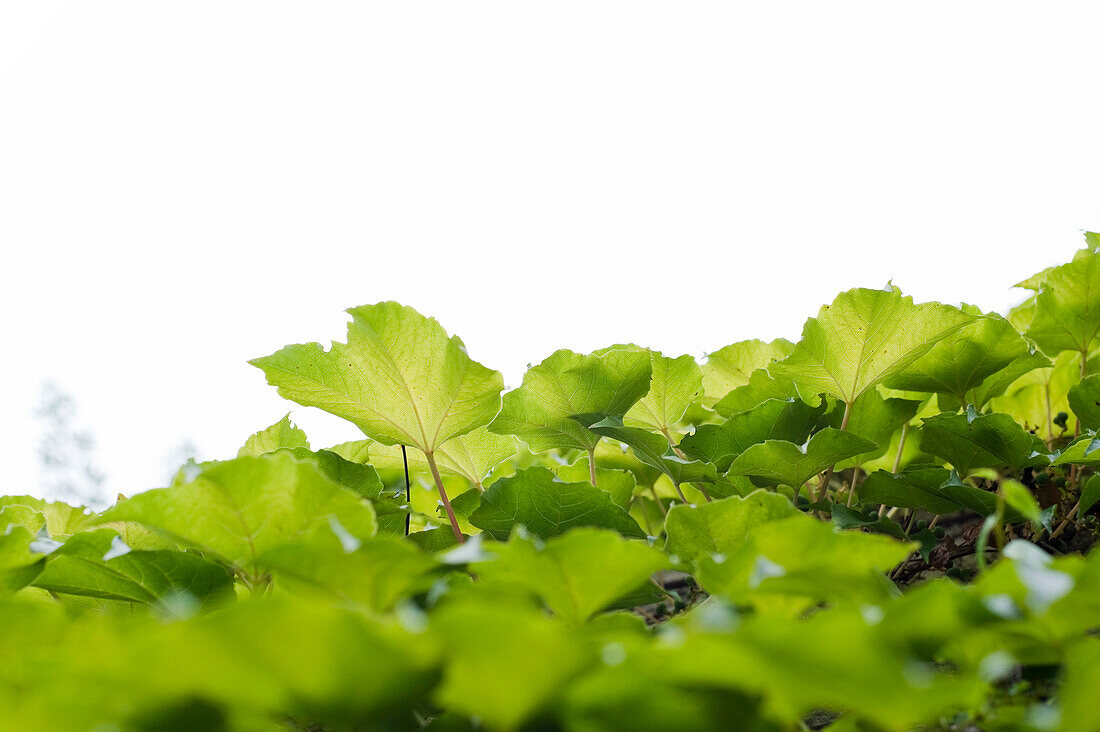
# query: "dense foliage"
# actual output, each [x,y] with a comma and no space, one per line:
[884,526]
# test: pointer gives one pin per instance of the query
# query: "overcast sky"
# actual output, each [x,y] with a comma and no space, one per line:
[185,186]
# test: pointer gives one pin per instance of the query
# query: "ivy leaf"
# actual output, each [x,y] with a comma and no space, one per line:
[577,574]
[18,564]
[60,518]
[240,508]
[1037,396]
[721,527]
[1019,498]
[545,506]
[376,573]
[996,384]
[504,661]
[875,419]
[399,378]
[540,412]
[731,366]
[675,383]
[1084,400]
[279,435]
[790,464]
[619,484]
[1090,494]
[985,441]
[1067,309]
[1085,450]
[806,561]
[654,450]
[964,359]
[98,564]
[864,338]
[774,419]
[761,387]
[936,490]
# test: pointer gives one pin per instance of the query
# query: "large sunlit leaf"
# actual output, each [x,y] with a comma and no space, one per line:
[239,509]
[963,360]
[540,412]
[1067,309]
[790,464]
[399,378]
[535,499]
[731,366]
[863,338]
[675,383]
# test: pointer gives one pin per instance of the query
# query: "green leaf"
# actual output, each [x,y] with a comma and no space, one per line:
[875,419]
[1019,498]
[805,561]
[997,384]
[540,412]
[654,450]
[1078,693]
[721,527]
[936,490]
[99,564]
[399,378]
[1090,494]
[761,387]
[1085,450]
[535,499]
[1067,309]
[864,338]
[18,564]
[774,419]
[1084,400]
[963,360]
[986,441]
[1036,397]
[241,508]
[577,574]
[731,366]
[790,464]
[471,456]
[619,484]
[675,383]
[376,573]
[504,662]
[281,434]
[61,518]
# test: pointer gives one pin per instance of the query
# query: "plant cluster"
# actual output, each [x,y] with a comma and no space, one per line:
[884,526]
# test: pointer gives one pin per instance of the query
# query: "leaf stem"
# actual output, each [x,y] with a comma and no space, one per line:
[408,490]
[443,496]
[592,465]
[897,461]
[823,491]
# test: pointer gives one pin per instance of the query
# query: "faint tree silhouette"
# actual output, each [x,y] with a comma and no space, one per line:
[65,451]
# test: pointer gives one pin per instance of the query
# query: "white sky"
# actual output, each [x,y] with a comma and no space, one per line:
[187,185]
